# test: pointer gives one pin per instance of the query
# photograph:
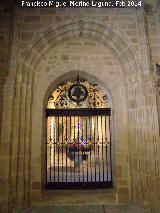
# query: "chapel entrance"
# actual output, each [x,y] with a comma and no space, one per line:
[78,137]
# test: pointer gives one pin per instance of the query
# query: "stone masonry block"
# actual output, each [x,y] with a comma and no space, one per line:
[27,36]
[132,26]
[36,185]
[131,33]
[32,19]
[123,194]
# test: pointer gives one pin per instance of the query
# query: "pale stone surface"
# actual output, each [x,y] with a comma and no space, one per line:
[117,49]
[84,209]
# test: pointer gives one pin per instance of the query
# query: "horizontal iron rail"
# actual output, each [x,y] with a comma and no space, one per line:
[78,112]
[78,185]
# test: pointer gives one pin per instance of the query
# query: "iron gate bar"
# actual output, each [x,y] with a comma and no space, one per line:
[90,149]
[98,152]
[54,152]
[102,149]
[74,152]
[78,185]
[78,149]
[62,148]
[87,132]
[70,140]
[50,139]
[82,161]
[106,147]
[110,146]
[66,148]
[78,112]
[95,148]
[58,148]
[86,141]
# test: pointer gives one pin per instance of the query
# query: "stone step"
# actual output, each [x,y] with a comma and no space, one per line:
[123,208]
[78,197]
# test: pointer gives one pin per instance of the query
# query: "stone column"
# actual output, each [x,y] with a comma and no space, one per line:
[27,159]
[20,185]
[137,142]
[21,145]
[153,140]
[6,146]
[16,115]
[144,149]
[158,108]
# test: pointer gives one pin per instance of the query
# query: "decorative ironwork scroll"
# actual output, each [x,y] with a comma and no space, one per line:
[77,94]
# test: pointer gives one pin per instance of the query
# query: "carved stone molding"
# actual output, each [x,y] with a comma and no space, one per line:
[148,9]
[149,86]
[152,7]
[9,88]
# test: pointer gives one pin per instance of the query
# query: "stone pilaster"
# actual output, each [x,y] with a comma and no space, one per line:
[21,147]
[27,159]
[6,145]
[16,115]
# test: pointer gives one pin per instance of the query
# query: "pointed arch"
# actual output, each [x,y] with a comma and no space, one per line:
[88,28]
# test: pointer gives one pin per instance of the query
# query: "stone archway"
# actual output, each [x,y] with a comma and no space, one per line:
[118,114]
[23,111]
[79,141]
[61,69]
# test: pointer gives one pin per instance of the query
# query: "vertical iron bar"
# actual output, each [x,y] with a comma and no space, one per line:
[70,144]
[106,140]
[95,146]
[46,147]
[82,150]
[74,147]
[62,147]
[102,144]
[90,145]
[54,149]
[79,147]
[52,144]
[66,148]
[98,147]
[58,148]
[50,149]
[110,147]
[47,151]
[86,144]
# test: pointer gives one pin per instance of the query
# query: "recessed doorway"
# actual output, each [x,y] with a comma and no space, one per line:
[78,137]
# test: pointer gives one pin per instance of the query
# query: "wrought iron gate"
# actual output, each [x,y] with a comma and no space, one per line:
[78,148]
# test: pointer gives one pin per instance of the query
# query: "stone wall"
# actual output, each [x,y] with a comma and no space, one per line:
[84,54]
[153,26]
[6,12]
[112,47]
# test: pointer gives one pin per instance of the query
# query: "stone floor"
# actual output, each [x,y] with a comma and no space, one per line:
[80,208]
[62,197]
[80,201]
